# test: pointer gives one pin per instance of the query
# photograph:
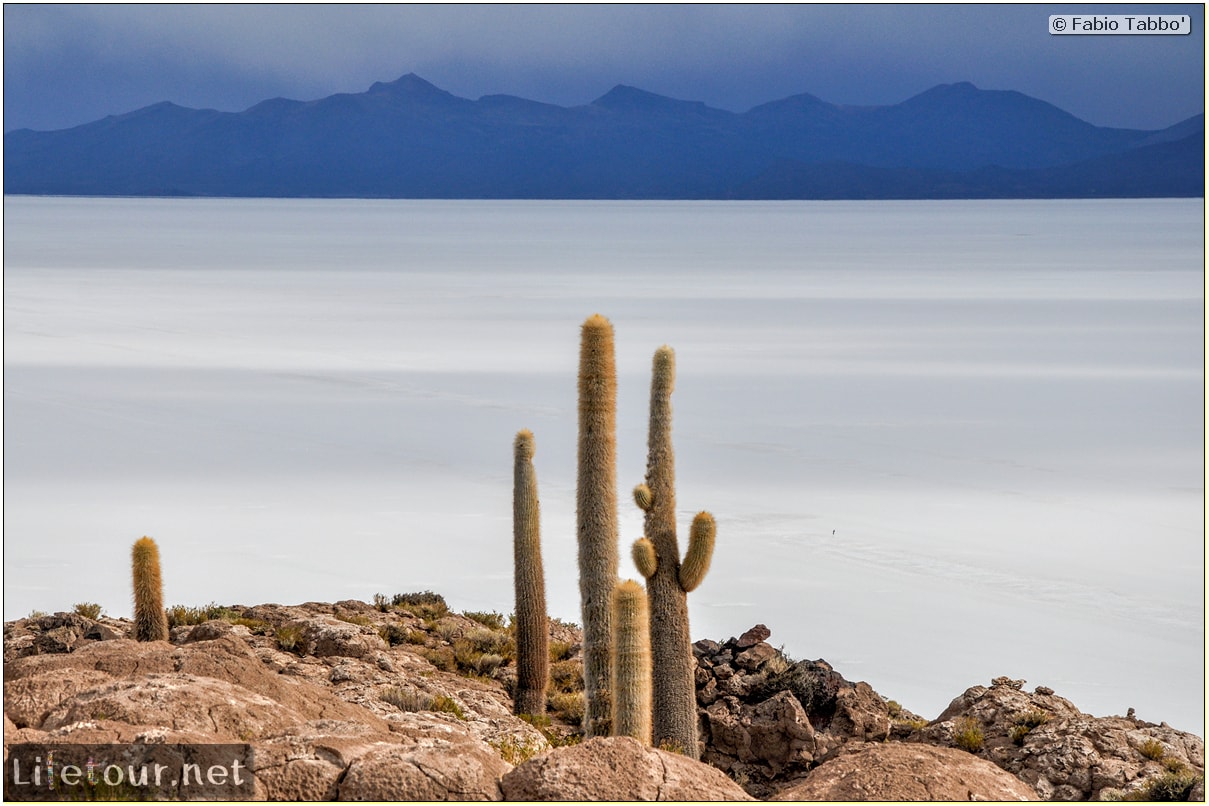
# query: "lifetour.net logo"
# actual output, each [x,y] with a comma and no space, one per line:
[52,772]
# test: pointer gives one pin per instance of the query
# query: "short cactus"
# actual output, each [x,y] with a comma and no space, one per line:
[150,618]
[596,514]
[657,556]
[631,662]
[532,626]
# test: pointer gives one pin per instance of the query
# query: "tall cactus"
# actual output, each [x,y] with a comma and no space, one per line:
[657,556]
[150,620]
[596,513]
[532,626]
[631,662]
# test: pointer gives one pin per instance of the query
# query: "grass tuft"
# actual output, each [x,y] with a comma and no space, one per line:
[1152,749]
[90,610]
[967,734]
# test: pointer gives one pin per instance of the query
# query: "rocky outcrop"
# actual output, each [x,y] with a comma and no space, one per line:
[356,702]
[316,714]
[617,769]
[906,772]
[766,720]
[1063,753]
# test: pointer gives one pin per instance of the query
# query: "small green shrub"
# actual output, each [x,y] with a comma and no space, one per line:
[395,635]
[488,640]
[515,751]
[87,610]
[354,618]
[566,676]
[1152,750]
[381,602]
[1168,787]
[967,734]
[37,614]
[182,616]
[895,710]
[440,657]
[560,650]
[422,598]
[1173,764]
[289,639]
[1034,719]
[447,629]
[779,664]
[406,699]
[539,721]
[567,705]
[1026,722]
[494,621]
[668,746]
[448,705]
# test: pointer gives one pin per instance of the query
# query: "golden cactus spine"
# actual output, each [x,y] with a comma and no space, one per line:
[596,514]
[631,662]
[532,626]
[150,619]
[657,556]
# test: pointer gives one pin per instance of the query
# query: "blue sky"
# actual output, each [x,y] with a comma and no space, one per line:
[70,64]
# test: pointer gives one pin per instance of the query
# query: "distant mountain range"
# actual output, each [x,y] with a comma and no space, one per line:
[410,139]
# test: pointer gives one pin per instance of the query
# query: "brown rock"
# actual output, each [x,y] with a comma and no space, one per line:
[781,735]
[753,636]
[209,630]
[461,769]
[906,772]
[755,656]
[327,637]
[178,702]
[29,700]
[860,714]
[617,769]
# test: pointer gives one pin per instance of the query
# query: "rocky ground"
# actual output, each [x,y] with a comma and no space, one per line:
[403,700]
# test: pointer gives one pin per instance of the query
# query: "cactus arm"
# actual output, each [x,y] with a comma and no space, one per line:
[644,557]
[700,552]
[643,497]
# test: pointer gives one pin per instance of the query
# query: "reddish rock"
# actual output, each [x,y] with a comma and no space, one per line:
[894,771]
[617,769]
[753,636]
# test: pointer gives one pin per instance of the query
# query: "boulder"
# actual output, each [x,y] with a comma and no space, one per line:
[753,636]
[459,768]
[617,769]
[896,771]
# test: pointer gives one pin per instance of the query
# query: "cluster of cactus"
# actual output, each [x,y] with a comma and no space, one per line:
[637,657]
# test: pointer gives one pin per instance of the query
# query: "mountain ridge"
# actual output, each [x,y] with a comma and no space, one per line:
[409,138]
